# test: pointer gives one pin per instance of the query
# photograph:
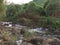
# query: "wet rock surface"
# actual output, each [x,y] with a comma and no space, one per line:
[21,35]
[48,41]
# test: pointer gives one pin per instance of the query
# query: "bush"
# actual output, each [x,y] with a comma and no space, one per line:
[49,22]
[27,34]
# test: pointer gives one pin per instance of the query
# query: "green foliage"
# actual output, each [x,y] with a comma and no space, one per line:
[39,13]
[27,34]
[40,3]
[12,11]
[49,22]
[53,8]
[2,10]
[15,13]
[1,5]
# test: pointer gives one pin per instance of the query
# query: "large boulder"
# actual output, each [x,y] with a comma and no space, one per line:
[44,41]
[51,41]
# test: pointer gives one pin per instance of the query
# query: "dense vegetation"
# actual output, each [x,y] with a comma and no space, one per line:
[37,13]
[40,13]
[2,10]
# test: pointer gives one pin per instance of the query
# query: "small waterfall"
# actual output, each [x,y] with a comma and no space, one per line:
[19,42]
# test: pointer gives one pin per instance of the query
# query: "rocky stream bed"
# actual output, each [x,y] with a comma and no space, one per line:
[22,35]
